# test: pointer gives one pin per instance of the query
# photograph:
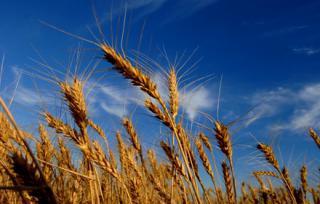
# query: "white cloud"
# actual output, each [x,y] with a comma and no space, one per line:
[113,93]
[307,114]
[305,117]
[303,105]
[306,51]
[267,103]
[194,101]
[113,99]
[29,97]
[116,110]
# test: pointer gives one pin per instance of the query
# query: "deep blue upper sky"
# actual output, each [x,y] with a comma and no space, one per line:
[267,51]
[265,43]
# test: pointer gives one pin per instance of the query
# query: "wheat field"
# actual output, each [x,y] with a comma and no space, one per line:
[33,169]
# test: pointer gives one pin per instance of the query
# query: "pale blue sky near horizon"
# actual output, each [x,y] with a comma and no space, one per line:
[268,53]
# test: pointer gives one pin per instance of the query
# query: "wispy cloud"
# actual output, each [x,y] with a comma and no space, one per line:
[307,111]
[185,8]
[178,9]
[284,30]
[29,97]
[115,109]
[306,50]
[268,103]
[25,95]
[114,100]
[144,7]
[300,107]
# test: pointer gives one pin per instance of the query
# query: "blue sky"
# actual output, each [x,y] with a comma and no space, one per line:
[267,51]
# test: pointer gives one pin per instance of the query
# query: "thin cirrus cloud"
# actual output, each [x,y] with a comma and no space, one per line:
[308,115]
[16,91]
[180,9]
[284,30]
[116,110]
[306,51]
[145,7]
[29,97]
[301,107]
[267,103]
[114,100]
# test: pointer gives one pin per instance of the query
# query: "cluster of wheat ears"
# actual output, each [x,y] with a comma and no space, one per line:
[34,170]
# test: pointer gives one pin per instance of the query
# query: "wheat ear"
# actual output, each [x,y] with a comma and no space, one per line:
[127,123]
[228,182]
[303,179]
[266,173]
[173,93]
[124,67]
[224,141]
[315,137]
[270,157]
[205,162]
